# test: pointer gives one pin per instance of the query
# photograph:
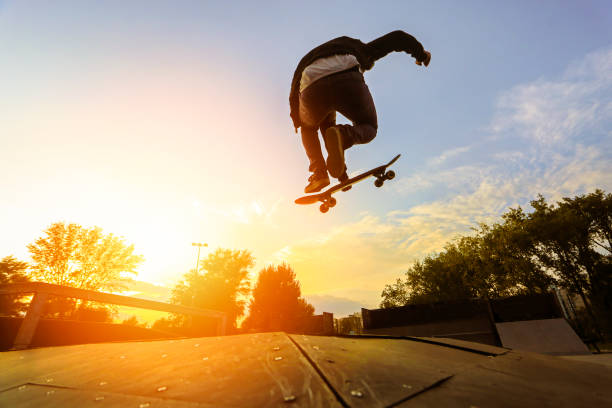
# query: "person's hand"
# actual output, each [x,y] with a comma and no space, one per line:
[426,60]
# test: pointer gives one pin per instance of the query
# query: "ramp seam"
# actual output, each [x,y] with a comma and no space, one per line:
[113,393]
[421,340]
[320,373]
[429,387]
[62,387]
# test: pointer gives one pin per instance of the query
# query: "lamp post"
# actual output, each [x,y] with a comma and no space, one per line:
[199,245]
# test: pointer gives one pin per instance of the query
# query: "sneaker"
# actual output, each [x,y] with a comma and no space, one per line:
[335,152]
[317,182]
[343,177]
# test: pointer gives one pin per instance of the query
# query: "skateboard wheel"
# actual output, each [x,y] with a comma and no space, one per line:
[331,202]
[324,208]
[379,182]
[390,175]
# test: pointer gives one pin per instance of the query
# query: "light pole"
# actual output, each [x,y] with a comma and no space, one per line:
[199,245]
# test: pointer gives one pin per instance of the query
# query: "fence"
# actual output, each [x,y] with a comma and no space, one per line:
[42,291]
[469,320]
[472,320]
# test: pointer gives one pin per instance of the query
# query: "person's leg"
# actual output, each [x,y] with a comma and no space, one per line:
[329,121]
[354,101]
[348,94]
[313,115]
[312,146]
[318,179]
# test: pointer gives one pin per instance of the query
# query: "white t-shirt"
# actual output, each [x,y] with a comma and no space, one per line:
[326,66]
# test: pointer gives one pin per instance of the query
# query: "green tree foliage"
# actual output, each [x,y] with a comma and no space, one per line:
[398,293]
[84,258]
[221,284]
[573,241]
[350,325]
[486,265]
[12,271]
[277,304]
[568,244]
[92,312]
[134,322]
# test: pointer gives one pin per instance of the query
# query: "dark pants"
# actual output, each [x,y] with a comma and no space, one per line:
[346,93]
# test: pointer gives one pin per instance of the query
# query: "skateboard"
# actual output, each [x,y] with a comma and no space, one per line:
[325,197]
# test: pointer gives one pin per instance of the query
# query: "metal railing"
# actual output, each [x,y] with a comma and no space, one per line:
[42,291]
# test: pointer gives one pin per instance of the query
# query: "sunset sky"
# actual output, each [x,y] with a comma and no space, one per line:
[168,123]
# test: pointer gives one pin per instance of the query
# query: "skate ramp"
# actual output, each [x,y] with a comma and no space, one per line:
[548,336]
[279,369]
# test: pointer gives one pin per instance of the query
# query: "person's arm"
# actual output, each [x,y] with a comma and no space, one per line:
[294,102]
[294,94]
[399,41]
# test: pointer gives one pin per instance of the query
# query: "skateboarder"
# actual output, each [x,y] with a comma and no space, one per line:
[329,79]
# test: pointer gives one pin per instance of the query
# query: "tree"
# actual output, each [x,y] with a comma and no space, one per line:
[222,284]
[134,322]
[12,271]
[515,246]
[486,265]
[498,260]
[396,294]
[567,244]
[574,242]
[84,258]
[277,303]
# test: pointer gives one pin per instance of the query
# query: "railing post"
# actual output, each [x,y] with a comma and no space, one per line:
[222,326]
[28,326]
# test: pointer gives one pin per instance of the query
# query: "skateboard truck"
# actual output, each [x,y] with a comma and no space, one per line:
[381,177]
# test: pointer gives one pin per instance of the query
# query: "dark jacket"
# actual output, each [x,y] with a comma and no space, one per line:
[366,54]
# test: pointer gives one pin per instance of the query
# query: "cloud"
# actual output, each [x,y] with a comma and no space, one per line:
[356,260]
[448,154]
[339,306]
[414,183]
[538,132]
[248,212]
[464,176]
[549,111]
[550,137]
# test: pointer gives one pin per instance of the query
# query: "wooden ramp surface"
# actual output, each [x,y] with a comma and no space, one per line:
[547,336]
[277,369]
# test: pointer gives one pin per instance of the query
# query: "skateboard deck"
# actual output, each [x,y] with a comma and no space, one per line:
[325,197]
